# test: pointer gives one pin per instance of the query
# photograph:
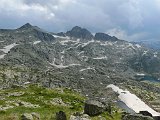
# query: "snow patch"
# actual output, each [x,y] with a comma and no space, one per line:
[88,68]
[144,53]
[61,65]
[56,36]
[26,83]
[106,43]
[155,54]
[36,42]
[7,48]
[80,53]
[62,57]
[2,56]
[65,41]
[101,83]
[140,74]
[138,46]
[85,44]
[85,58]
[132,101]
[100,58]
[131,45]
[63,52]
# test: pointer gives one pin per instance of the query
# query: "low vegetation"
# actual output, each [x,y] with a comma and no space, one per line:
[44,101]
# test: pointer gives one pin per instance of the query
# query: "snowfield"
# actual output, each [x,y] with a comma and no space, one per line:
[2,56]
[7,48]
[61,65]
[132,101]
[99,58]
[36,42]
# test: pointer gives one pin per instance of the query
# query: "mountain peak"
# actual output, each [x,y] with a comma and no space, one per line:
[76,28]
[79,32]
[27,25]
[105,37]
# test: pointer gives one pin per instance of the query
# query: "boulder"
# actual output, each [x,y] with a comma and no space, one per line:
[61,115]
[27,116]
[36,116]
[58,101]
[136,117]
[93,108]
[27,104]
[145,113]
[79,117]
[156,117]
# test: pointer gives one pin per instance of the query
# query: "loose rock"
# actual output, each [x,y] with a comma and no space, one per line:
[27,116]
[136,117]
[93,108]
[61,116]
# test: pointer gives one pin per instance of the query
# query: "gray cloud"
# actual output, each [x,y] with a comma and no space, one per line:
[127,19]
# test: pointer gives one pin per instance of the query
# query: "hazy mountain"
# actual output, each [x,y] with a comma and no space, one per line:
[153,44]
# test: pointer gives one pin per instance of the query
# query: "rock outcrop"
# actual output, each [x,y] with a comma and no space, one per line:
[78,32]
[136,117]
[145,113]
[61,115]
[79,117]
[27,116]
[30,116]
[104,37]
[93,108]
[156,117]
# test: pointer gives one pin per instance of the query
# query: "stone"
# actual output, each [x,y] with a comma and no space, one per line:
[61,115]
[27,116]
[145,113]
[93,108]
[156,117]
[36,116]
[3,108]
[58,101]
[79,117]
[27,104]
[136,117]
[16,94]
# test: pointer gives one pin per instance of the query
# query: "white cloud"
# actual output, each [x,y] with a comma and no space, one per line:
[20,9]
[122,34]
[132,12]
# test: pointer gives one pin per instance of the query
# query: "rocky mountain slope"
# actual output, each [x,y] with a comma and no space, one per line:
[78,60]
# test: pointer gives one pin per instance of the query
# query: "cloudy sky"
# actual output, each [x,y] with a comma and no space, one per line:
[126,19]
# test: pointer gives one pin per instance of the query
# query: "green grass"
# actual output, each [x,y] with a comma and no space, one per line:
[41,96]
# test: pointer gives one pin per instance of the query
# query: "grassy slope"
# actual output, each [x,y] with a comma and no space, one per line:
[41,96]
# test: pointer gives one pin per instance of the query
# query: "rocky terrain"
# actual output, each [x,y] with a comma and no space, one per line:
[78,60]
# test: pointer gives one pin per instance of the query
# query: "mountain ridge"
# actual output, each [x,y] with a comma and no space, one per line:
[86,65]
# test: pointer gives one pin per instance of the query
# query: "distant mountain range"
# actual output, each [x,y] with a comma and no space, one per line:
[153,44]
